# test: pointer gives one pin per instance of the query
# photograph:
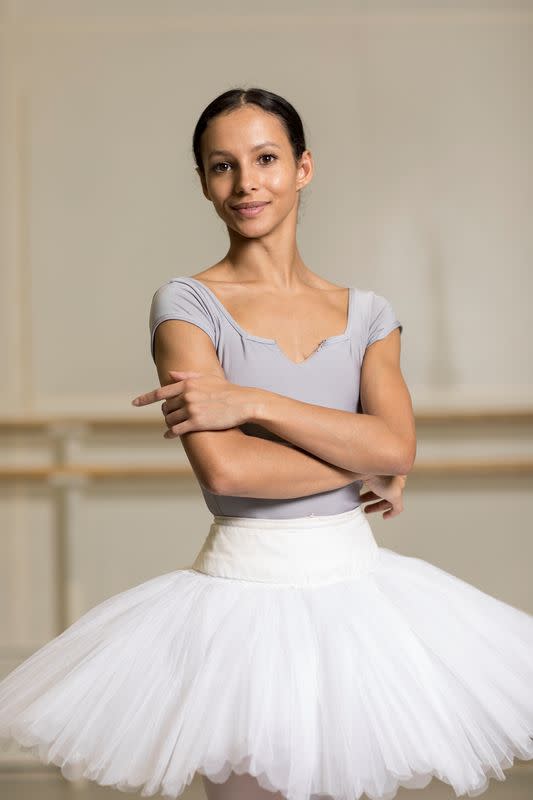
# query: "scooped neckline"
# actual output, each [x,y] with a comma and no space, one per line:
[247,335]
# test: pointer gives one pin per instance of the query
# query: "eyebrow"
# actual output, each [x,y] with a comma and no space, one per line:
[257,147]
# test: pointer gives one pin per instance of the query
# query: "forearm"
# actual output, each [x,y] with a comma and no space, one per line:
[254,467]
[360,443]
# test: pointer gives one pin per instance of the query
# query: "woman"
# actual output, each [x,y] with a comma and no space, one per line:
[295,658]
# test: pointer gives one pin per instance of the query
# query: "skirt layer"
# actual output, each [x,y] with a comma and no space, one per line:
[271,656]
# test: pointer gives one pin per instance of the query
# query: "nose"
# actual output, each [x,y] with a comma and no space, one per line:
[245,180]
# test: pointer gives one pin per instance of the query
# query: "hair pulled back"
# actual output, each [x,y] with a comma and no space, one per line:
[267,101]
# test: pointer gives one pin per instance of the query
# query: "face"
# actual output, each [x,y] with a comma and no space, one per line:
[248,158]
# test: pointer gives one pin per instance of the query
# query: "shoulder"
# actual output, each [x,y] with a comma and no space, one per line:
[178,292]
[181,299]
[175,286]
[379,315]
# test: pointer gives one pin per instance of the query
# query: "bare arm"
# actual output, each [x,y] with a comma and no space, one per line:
[380,441]
[220,458]
[274,471]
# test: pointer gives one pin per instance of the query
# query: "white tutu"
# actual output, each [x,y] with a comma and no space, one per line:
[295,650]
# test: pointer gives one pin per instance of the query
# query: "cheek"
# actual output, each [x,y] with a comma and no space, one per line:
[217,190]
[280,182]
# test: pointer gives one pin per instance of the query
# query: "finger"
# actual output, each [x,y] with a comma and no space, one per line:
[372,509]
[364,496]
[392,512]
[176,417]
[382,505]
[147,398]
[172,404]
[161,393]
[396,509]
[176,431]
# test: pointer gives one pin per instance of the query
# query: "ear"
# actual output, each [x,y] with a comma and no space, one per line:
[305,169]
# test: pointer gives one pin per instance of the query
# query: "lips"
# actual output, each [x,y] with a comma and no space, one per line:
[254,204]
[249,210]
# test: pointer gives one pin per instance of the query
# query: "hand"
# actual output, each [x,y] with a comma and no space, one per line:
[388,491]
[199,402]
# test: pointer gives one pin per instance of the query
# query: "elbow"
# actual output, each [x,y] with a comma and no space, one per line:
[405,457]
[210,479]
[222,464]
[405,467]
[221,482]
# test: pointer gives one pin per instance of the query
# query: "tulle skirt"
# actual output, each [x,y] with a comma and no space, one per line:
[298,651]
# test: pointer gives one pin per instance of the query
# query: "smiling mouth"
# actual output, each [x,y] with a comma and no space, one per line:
[254,204]
[250,210]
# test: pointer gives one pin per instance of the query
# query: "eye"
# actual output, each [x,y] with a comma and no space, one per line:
[220,164]
[269,155]
[215,167]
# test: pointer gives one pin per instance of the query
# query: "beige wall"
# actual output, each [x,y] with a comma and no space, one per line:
[420,122]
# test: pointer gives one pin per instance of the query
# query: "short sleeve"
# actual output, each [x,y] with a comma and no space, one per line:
[382,319]
[177,299]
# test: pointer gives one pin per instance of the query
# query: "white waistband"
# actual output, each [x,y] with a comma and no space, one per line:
[309,550]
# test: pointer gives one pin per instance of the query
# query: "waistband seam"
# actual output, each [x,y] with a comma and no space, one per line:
[297,523]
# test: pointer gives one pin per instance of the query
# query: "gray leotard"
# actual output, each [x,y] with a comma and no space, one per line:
[328,377]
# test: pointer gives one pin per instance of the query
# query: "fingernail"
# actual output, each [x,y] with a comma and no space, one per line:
[135,402]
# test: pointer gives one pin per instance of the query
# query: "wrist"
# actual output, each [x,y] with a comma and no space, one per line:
[254,404]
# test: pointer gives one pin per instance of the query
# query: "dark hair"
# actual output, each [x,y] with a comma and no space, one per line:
[267,101]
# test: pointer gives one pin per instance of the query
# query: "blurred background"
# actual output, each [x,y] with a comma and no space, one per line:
[419,116]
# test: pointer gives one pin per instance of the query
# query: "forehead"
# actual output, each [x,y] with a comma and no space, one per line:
[242,130]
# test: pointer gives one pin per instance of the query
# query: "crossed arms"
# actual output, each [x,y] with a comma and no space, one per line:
[332,448]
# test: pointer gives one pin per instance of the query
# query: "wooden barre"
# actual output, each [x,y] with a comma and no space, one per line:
[137,419]
[490,466]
